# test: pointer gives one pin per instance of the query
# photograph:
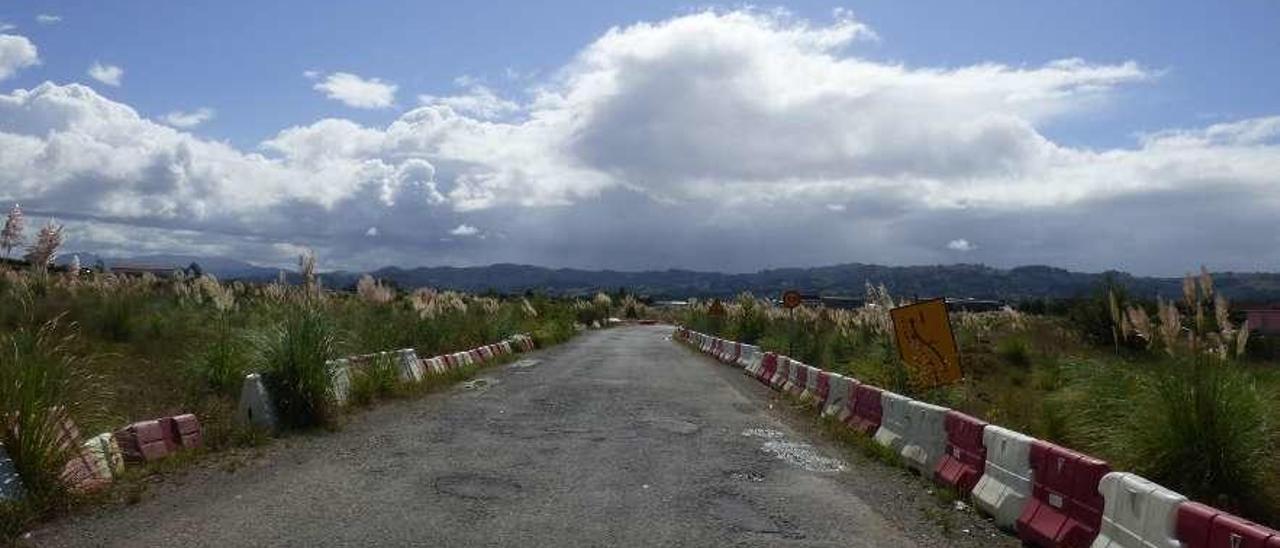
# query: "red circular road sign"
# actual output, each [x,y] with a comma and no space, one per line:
[791,299]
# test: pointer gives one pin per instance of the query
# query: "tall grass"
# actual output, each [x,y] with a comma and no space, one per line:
[379,378]
[222,363]
[1194,424]
[293,357]
[42,384]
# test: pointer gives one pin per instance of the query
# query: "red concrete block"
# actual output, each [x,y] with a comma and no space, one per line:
[143,441]
[965,459]
[1065,508]
[1201,526]
[867,411]
[768,366]
[824,388]
[186,429]
[802,379]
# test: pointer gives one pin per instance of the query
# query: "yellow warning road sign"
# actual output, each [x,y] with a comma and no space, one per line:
[926,344]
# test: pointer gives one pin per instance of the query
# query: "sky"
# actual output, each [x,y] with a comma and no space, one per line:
[1141,136]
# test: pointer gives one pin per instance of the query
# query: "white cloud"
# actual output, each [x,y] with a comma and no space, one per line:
[723,128]
[464,230]
[961,245]
[16,53]
[48,19]
[182,119]
[357,92]
[6,27]
[372,232]
[478,102]
[110,75]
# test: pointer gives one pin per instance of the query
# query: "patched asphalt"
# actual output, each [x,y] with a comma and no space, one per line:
[620,437]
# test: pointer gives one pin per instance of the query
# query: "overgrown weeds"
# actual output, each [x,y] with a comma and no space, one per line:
[42,386]
[377,379]
[294,360]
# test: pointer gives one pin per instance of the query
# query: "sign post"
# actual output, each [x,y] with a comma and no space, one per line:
[926,344]
[791,299]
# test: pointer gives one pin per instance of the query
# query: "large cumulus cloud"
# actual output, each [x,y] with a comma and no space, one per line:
[723,140]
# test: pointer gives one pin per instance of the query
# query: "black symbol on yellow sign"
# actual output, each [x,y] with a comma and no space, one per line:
[926,344]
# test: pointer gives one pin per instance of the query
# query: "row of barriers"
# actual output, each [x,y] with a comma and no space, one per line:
[255,407]
[1049,495]
[97,461]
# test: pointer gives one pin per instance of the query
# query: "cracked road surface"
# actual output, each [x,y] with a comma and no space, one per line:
[617,438]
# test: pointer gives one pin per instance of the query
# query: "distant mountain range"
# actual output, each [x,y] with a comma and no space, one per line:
[959,280]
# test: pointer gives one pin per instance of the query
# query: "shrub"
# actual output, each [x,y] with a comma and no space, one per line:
[1197,425]
[114,318]
[293,358]
[1201,428]
[222,364]
[1015,351]
[42,384]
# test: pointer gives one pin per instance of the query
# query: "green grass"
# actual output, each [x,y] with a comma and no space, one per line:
[377,379]
[293,358]
[42,385]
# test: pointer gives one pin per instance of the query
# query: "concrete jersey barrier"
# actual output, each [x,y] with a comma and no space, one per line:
[925,440]
[822,390]
[105,447]
[797,379]
[1200,526]
[750,359]
[255,406]
[965,457]
[866,409]
[1005,485]
[782,372]
[410,367]
[895,421]
[768,367]
[340,381]
[838,391]
[809,391]
[1139,514]
[1065,508]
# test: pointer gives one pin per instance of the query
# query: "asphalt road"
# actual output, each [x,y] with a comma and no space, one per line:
[618,438]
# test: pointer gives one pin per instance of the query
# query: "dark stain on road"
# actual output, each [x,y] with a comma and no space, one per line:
[477,487]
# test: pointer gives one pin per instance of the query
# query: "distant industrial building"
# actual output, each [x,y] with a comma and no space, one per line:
[1263,320]
[135,270]
[973,305]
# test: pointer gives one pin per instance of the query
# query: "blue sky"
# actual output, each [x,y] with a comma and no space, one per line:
[246,59]
[1083,78]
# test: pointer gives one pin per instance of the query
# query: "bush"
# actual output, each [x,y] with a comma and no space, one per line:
[1015,351]
[222,364]
[115,316]
[1196,425]
[1202,429]
[293,358]
[42,384]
